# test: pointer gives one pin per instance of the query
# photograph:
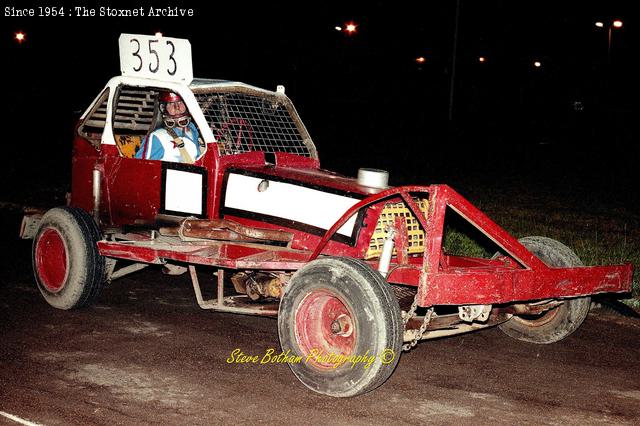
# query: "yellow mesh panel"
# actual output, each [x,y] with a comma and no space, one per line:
[415,234]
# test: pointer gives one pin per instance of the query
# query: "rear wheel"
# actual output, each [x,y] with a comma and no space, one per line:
[556,323]
[343,321]
[68,269]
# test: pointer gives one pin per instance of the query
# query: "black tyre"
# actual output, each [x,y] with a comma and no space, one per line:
[340,307]
[559,322]
[68,269]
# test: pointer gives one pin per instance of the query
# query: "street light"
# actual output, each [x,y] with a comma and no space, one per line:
[614,24]
[349,28]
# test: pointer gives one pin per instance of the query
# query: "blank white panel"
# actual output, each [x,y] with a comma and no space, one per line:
[183,192]
[288,201]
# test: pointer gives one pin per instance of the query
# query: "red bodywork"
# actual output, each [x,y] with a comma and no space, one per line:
[132,193]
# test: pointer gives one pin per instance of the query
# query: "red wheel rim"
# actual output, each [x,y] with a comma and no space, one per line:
[51,260]
[324,328]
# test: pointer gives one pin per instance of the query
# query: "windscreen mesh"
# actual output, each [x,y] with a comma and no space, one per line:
[244,122]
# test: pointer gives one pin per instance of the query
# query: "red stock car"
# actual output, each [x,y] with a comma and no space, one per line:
[351,267]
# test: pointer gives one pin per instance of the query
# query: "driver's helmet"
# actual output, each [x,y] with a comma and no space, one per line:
[174,111]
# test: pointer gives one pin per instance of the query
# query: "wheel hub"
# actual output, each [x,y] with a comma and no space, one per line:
[324,326]
[342,326]
[51,260]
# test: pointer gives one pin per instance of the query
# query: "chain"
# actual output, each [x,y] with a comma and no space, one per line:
[412,311]
[423,327]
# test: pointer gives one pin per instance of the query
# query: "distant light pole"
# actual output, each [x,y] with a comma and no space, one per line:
[454,55]
[614,24]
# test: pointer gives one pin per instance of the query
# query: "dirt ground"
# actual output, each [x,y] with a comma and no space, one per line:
[146,353]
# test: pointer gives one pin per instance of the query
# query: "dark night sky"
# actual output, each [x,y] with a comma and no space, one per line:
[362,96]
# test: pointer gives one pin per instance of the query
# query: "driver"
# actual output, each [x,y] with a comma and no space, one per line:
[178,139]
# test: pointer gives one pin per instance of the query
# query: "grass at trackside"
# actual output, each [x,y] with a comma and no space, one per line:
[599,234]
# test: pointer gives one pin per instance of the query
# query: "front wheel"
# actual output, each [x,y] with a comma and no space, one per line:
[68,269]
[556,323]
[342,323]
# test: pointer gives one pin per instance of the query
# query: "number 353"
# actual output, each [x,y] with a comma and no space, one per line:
[157,58]
[154,55]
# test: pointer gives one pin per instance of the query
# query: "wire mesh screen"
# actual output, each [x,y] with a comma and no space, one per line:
[244,122]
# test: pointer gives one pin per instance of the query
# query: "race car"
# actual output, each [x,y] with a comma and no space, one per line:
[351,266]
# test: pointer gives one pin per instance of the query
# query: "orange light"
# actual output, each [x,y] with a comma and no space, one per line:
[20,37]
[338,28]
[617,23]
[537,64]
[482,59]
[599,24]
[420,59]
[351,28]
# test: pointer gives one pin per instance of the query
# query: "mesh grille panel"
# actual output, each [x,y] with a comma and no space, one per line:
[134,110]
[93,125]
[415,233]
[97,119]
[242,122]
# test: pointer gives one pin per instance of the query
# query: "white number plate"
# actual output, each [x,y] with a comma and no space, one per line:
[158,58]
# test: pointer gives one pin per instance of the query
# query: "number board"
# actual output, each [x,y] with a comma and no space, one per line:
[158,58]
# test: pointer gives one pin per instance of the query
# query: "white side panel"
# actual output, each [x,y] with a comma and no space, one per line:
[288,201]
[107,135]
[183,192]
